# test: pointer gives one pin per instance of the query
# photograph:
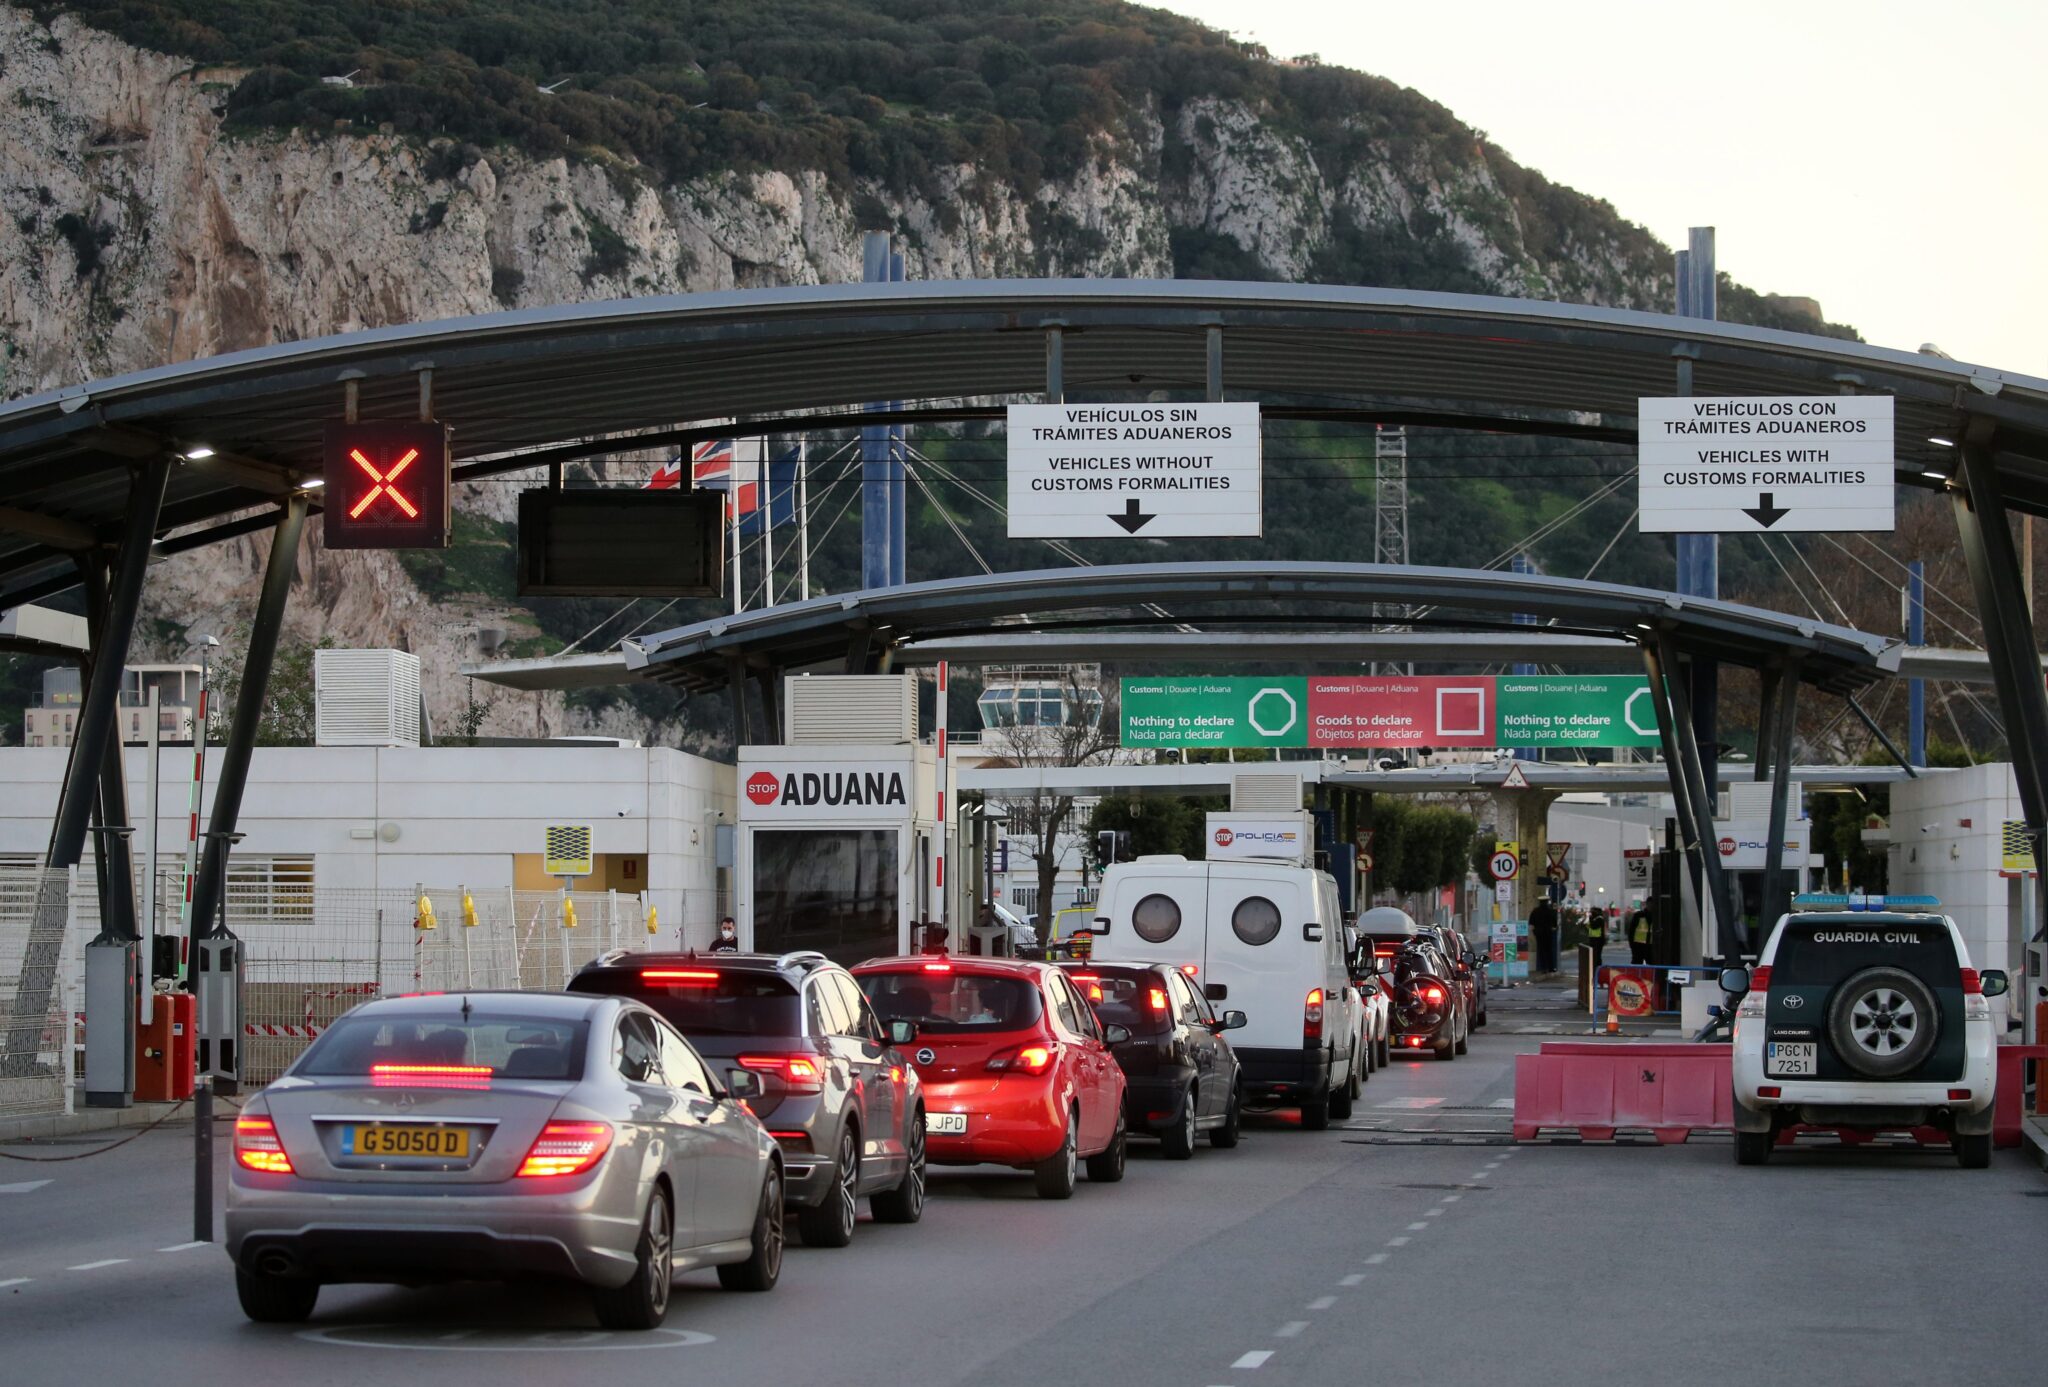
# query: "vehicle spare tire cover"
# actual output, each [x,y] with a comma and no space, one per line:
[1883,1022]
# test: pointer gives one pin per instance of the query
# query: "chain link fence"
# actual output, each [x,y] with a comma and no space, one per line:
[310,954]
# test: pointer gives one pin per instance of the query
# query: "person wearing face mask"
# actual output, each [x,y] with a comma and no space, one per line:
[728,941]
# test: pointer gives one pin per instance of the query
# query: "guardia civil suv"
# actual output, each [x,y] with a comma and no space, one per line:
[1867,1019]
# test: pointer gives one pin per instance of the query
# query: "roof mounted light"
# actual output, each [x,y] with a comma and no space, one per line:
[198,452]
[1936,476]
[312,483]
[1938,441]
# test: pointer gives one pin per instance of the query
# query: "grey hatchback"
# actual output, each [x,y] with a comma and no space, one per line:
[497,1136]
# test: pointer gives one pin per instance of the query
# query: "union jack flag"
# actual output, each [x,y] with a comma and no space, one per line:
[713,466]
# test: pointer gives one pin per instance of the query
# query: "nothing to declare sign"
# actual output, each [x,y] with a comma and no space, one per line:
[1748,464]
[1390,711]
[1119,471]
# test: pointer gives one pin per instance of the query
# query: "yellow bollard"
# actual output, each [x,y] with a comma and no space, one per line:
[651,926]
[568,913]
[468,911]
[425,919]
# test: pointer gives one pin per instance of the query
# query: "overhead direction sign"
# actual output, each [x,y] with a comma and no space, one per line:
[386,486]
[1748,464]
[1134,471]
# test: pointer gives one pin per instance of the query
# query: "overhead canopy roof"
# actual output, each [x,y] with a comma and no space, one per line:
[857,628]
[549,379]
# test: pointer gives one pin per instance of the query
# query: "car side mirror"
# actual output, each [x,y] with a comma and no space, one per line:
[1216,991]
[742,1083]
[1232,1021]
[1312,932]
[902,1032]
[1735,981]
[1996,983]
[1113,1034]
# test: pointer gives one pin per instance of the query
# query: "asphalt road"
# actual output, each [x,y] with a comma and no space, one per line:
[1416,1245]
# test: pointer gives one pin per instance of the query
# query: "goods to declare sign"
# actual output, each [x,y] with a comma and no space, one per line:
[1150,471]
[1748,464]
[1390,711]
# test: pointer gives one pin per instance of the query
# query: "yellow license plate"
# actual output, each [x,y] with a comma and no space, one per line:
[410,1139]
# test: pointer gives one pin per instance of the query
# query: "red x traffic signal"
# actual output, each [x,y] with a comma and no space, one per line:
[387,486]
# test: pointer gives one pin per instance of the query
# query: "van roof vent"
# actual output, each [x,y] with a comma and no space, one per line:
[1265,792]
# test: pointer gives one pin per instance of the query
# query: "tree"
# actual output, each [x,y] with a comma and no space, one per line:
[1085,735]
[1156,823]
[288,706]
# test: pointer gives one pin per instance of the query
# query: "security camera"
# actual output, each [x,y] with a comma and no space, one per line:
[622,813]
[1928,828]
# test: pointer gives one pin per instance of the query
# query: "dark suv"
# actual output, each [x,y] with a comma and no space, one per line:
[1180,1073]
[845,1107]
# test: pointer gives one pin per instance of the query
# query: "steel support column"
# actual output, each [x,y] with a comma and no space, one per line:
[1690,780]
[1996,575]
[1689,836]
[233,777]
[114,862]
[44,951]
[1773,899]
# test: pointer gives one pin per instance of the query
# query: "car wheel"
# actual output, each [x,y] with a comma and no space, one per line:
[1057,1173]
[1464,1042]
[1753,1148]
[1372,1057]
[1342,1094]
[1446,1047]
[1973,1150]
[269,1299]
[1883,1022]
[1178,1141]
[763,1267]
[905,1203]
[1315,1114]
[1225,1137]
[1386,1043]
[1106,1166]
[831,1223]
[642,1303]
[1479,1022]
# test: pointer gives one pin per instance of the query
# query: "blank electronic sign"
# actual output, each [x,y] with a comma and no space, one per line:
[387,486]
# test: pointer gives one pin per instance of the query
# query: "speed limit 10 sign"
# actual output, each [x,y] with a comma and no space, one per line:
[1505,864]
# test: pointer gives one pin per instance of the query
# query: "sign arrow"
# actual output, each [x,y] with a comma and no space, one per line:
[1133,520]
[1763,513]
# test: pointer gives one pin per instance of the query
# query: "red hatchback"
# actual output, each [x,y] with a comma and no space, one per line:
[1016,1067]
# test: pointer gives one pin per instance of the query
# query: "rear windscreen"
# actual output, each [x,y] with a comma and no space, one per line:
[714,1001]
[451,1046]
[946,1003]
[1130,997]
[1826,950]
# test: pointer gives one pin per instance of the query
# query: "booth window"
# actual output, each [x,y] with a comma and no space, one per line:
[833,890]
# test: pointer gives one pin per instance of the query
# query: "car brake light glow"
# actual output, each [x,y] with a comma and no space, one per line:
[566,1148]
[1973,986]
[1190,969]
[257,1146]
[1432,994]
[798,1073]
[430,1076]
[1086,977]
[1025,1059]
[1157,999]
[1312,1015]
[1760,978]
[688,977]
[938,967]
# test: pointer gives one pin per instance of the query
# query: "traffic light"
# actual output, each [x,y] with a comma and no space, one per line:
[387,486]
[1105,848]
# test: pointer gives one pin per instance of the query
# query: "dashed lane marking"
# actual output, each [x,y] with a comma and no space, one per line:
[1401,1241]
[1322,1302]
[95,1266]
[1255,1359]
[1376,1259]
[1410,1103]
[15,1281]
[1451,1198]
[185,1247]
[23,1186]
[1356,1278]
[1290,1329]
[1418,1228]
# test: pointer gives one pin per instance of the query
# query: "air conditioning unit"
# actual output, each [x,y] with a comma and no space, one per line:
[1265,792]
[366,698]
[849,709]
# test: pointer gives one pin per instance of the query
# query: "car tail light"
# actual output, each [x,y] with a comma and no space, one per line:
[257,1146]
[1769,1091]
[1756,999]
[430,1076]
[798,1143]
[681,977]
[938,967]
[1312,1016]
[1955,1093]
[1433,994]
[566,1148]
[797,1073]
[1760,978]
[1973,986]
[1190,969]
[1023,1059]
[1157,999]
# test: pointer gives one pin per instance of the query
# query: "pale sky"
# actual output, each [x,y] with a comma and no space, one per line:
[1885,158]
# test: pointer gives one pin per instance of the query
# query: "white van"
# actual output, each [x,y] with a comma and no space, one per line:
[1268,939]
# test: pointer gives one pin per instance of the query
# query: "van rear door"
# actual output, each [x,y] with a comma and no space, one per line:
[1155,915]
[1257,950]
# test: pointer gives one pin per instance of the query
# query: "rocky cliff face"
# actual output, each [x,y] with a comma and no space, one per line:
[137,230]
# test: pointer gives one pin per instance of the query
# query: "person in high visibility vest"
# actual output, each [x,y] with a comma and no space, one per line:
[1596,930]
[1640,930]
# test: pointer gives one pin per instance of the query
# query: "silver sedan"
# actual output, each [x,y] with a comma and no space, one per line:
[498,1136]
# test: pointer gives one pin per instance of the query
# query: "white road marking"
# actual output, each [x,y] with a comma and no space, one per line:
[1502,1103]
[1452,1198]
[184,1247]
[1397,1242]
[1409,1103]
[1418,1228]
[1290,1329]
[1376,1259]
[95,1266]
[1255,1359]
[15,1281]
[1435,1213]
[23,1186]
[1322,1302]
[1357,1278]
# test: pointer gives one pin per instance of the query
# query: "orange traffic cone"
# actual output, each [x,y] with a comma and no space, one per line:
[1613,1021]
